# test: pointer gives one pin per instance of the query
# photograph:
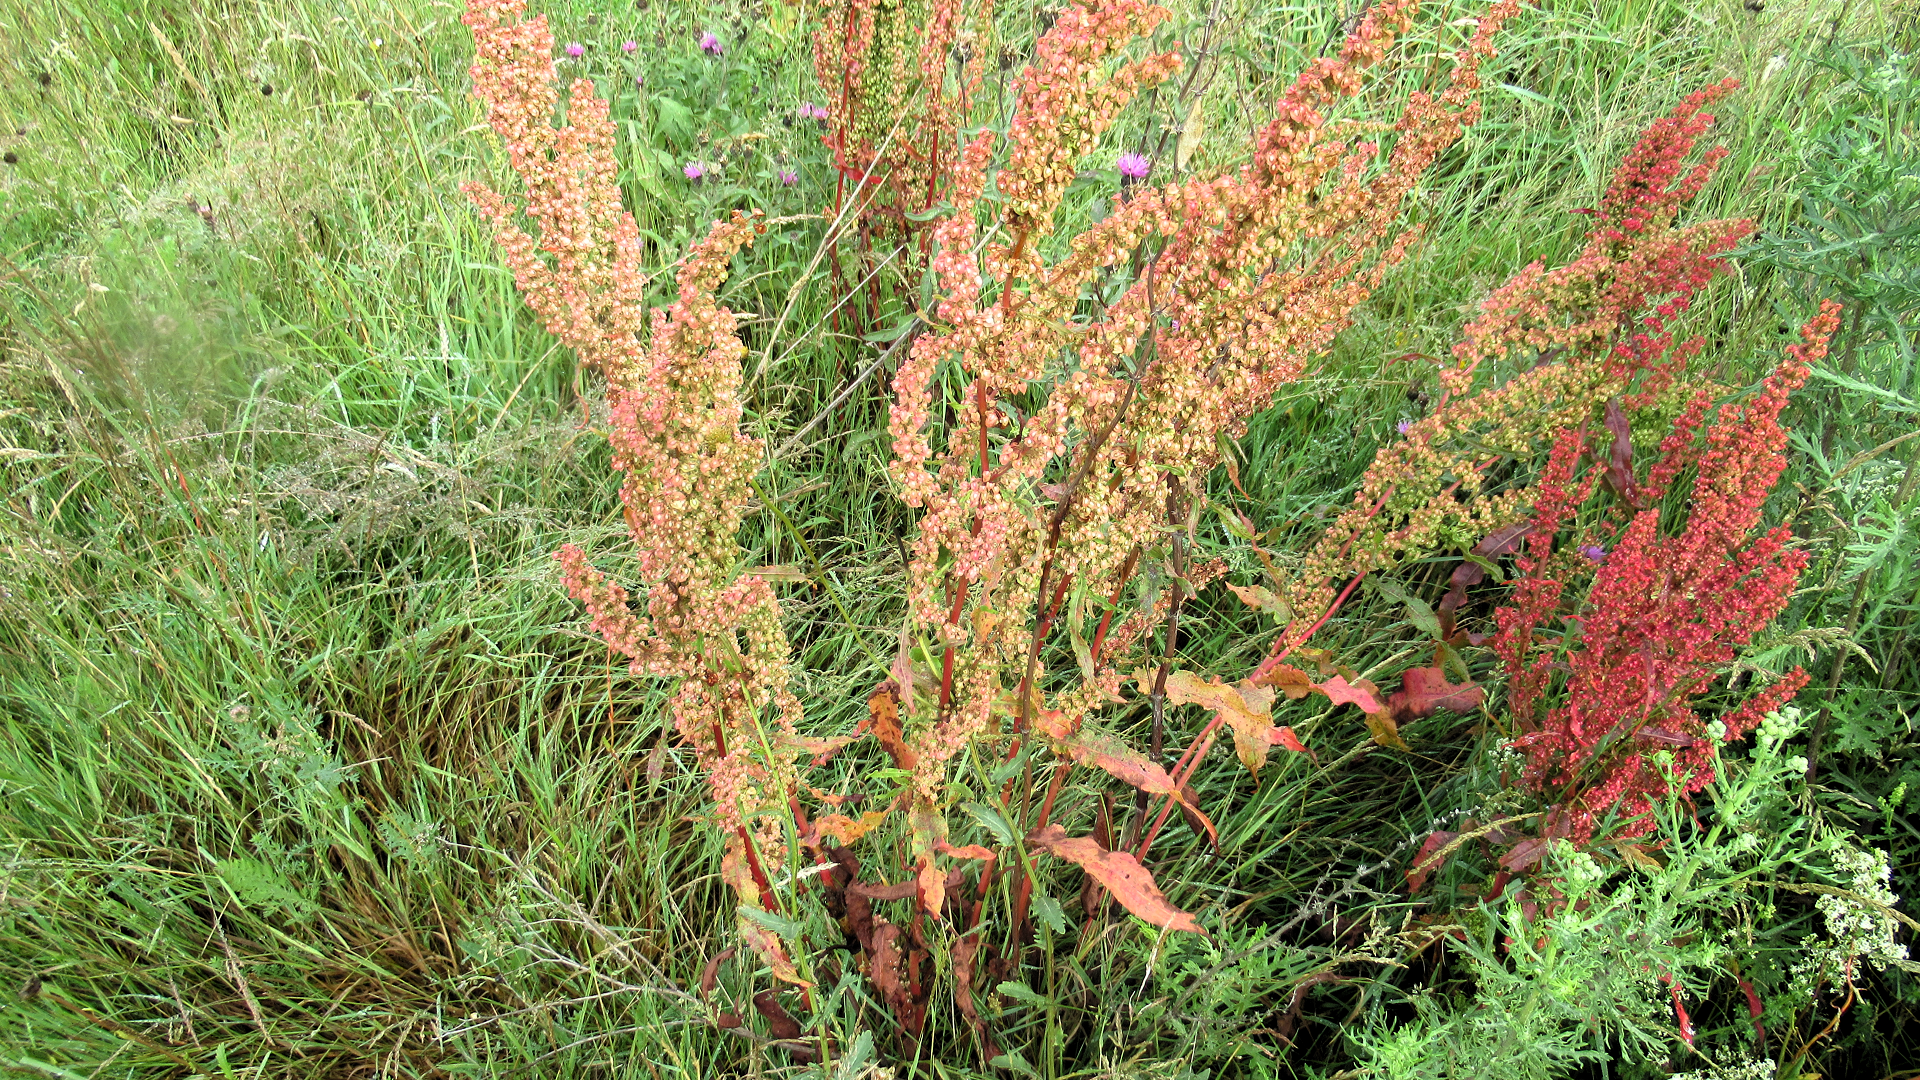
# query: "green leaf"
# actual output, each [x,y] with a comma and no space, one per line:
[1022,993]
[853,1063]
[1422,616]
[937,210]
[788,929]
[1013,1062]
[1892,400]
[892,333]
[1049,911]
[675,119]
[992,821]
[261,887]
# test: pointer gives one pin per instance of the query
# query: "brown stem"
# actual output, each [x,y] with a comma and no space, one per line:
[1013,267]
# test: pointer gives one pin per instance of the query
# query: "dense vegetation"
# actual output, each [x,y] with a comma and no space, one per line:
[309,766]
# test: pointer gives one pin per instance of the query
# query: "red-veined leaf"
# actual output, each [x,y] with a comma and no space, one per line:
[1120,873]
[1424,864]
[1425,690]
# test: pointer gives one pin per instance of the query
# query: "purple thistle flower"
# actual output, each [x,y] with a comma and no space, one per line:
[1133,166]
[711,44]
[789,177]
[576,50]
[819,112]
[695,171]
[1594,552]
[628,47]
[1403,426]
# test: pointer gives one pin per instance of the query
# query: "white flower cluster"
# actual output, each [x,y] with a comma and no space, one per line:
[1745,1069]
[1863,929]
[1858,923]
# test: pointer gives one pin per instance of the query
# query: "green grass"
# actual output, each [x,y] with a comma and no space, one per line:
[308,767]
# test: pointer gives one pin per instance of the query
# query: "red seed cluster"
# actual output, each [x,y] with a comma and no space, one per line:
[1567,342]
[1662,618]
[675,412]
[1039,515]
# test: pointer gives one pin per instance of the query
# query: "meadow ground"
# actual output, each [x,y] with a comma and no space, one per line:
[308,765]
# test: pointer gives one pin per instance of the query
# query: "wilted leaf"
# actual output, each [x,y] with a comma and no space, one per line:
[780,1023]
[1637,856]
[1089,746]
[883,891]
[964,951]
[1259,596]
[1385,731]
[902,667]
[657,762]
[931,882]
[767,945]
[1663,737]
[883,710]
[1524,854]
[1120,872]
[710,975]
[884,968]
[820,748]
[1285,678]
[1619,476]
[1243,706]
[1425,690]
[779,573]
[844,830]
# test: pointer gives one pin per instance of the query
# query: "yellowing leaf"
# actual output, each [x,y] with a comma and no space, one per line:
[1192,130]
[1385,731]
[930,885]
[883,713]
[1089,746]
[767,944]
[1259,596]
[844,830]
[1243,706]
[1120,873]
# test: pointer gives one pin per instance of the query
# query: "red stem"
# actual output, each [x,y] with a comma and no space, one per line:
[1196,751]
[759,874]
